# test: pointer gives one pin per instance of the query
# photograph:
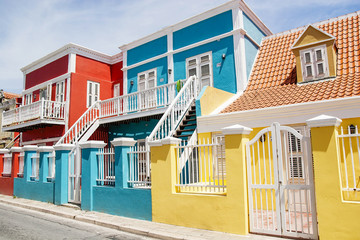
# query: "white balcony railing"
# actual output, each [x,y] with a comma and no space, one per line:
[139,101]
[139,166]
[106,167]
[43,109]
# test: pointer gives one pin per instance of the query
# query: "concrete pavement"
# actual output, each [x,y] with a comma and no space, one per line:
[139,227]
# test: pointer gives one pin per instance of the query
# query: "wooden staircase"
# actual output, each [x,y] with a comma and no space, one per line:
[188,125]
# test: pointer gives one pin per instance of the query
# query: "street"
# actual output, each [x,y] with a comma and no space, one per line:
[18,223]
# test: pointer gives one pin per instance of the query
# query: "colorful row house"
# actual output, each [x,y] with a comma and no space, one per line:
[210,123]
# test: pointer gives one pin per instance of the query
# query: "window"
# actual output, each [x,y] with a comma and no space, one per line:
[295,156]
[45,93]
[200,66]
[147,80]
[60,91]
[117,90]
[28,98]
[314,63]
[93,90]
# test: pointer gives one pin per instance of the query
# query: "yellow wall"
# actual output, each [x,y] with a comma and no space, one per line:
[309,39]
[336,219]
[227,213]
[213,98]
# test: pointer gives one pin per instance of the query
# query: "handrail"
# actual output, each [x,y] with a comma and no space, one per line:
[74,133]
[155,97]
[175,112]
[12,142]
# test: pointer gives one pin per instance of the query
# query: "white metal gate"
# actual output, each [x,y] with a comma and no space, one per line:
[75,176]
[280,183]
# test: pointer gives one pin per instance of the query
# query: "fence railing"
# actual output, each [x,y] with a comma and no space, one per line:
[106,167]
[21,165]
[43,109]
[7,165]
[139,175]
[51,166]
[176,111]
[203,169]
[35,165]
[81,125]
[350,158]
[139,101]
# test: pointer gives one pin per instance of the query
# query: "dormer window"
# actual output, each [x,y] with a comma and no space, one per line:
[314,63]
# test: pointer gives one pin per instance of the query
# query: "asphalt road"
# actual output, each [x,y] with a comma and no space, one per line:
[18,223]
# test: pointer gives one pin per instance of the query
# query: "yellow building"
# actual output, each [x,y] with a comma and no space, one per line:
[281,157]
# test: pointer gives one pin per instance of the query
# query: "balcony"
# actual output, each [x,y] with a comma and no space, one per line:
[35,115]
[138,104]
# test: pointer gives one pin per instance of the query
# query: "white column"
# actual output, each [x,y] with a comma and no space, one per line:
[239,49]
[72,62]
[125,78]
[170,57]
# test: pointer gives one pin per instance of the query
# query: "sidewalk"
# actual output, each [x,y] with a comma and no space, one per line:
[139,227]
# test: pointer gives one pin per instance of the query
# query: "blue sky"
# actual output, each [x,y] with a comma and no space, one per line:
[31,29]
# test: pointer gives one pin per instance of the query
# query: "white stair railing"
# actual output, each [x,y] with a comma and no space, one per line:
[79,128]
[176,111]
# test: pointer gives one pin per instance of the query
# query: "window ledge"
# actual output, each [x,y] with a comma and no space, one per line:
[316,80]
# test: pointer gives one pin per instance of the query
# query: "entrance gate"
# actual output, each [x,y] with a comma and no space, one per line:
[75,176]
[280,183]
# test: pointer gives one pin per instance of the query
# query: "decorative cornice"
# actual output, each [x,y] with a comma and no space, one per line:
[28,148]
[236,129]
[16,149]
[323,121]
[45,149]
[4,151]
[71,48]
[92,144]
[64,147]
[123,142]
[156,143]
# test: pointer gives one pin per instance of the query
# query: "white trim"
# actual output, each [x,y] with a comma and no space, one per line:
[198,66]
[64,147]
[116,87]
[94,95]
[197,18]
[72,63]
[41,141]
[323,121]
[227,103]
[92,144]
[16,149]
[123,142]
[4,151]
[45,149]
[331,37]
[146,79]
[170,57]
[286,115]
[67,104]
[34,122]
[124,69]
[313,63]
[75,49]
[44,84]
[194,45]
[170,140]
[236,129]
[156,143]
[28,148]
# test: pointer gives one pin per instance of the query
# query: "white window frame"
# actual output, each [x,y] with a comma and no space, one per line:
[313,64]
[296,154]
[47,91]
[117,90]
[198,66]
[147,79]
[60,91]
[28,98]
[92,95]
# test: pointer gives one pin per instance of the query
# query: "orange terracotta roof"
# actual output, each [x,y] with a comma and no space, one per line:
[273,79]
[8,95]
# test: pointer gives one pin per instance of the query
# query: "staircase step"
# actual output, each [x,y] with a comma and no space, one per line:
[189,121]
[188,127]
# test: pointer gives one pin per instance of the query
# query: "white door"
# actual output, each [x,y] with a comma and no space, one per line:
[280,183]
[74,195]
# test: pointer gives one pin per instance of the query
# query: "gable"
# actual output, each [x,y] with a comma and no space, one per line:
[311,36]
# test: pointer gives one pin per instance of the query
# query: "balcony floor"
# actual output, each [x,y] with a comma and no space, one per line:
[32,124]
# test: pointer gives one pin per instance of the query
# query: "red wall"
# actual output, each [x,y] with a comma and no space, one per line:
[43,133]
[6,183]
[117,76]
[47,72]
[92,68]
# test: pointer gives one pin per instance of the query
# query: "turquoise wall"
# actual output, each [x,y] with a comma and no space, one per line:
[223,69]
[211,27]
[147,50]
[252,30]
[250,50]
[161,73]
[137,130]
[40,190]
